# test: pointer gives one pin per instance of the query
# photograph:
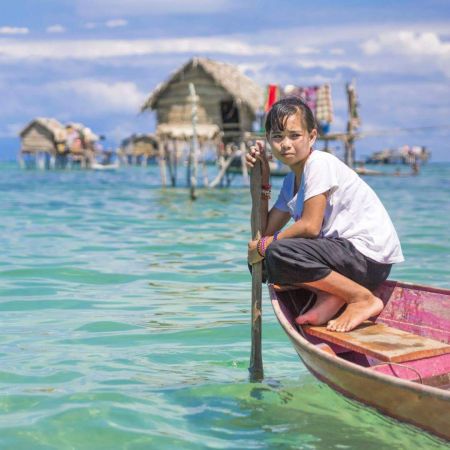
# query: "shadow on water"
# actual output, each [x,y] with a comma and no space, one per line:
[309,416]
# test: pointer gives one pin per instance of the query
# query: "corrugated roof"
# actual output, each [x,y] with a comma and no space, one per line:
[229,77]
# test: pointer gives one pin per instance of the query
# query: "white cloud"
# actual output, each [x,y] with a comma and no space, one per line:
[115,23]
[97,96]
[55,29]
[306,50]
[329,64]
[407,43]
[14,30]
[100,8]
[337,51]
[407,51]
[249,68]
[90,25]
[96,49]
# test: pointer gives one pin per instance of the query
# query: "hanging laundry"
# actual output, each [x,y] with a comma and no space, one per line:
[324,106]
[318,98]
[308,94]
[272,95]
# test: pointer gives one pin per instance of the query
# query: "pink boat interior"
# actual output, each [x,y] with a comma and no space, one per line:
[419,310]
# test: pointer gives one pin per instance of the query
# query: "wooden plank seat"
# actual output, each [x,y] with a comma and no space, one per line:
[382,342]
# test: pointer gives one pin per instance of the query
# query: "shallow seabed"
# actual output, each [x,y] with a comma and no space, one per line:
[125,310]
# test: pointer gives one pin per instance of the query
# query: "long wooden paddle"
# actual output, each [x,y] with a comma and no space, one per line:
[256,364]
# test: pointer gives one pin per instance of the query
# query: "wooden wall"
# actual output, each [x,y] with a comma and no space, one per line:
[174,106]
[37,138]
[142,147]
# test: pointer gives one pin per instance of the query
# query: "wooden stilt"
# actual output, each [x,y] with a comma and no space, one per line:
[204,168]
[243,165]
[223,170]
[170,158]
[162,162]
[194,144]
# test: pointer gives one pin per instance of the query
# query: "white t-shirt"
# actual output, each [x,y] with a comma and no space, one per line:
[353,210]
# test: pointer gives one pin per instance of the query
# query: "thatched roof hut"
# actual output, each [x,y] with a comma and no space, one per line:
[139,145]
[42,135]
[227,101]
[88,135]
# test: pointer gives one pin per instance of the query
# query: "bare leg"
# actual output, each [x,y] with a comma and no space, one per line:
[361,303]
[326,306]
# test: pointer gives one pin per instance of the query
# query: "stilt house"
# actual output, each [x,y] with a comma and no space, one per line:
[47,143]
[42,135]
[138,149]
[228,102]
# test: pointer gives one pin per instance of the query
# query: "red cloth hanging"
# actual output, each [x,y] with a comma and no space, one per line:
[272,96]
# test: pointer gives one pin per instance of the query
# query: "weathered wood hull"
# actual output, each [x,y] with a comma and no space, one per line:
[425,406]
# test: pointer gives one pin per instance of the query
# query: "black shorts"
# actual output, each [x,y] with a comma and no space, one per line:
[300,260]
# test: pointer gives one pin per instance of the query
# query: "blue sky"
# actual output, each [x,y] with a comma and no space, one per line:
[96,61]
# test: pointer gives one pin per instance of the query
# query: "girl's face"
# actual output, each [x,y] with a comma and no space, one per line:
[293,144]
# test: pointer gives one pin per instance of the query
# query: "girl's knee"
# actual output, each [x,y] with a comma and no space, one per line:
[274,252]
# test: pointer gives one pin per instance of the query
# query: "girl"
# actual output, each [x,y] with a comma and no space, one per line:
[342,244]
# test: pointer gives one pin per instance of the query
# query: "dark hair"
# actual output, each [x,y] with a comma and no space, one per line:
[288,106]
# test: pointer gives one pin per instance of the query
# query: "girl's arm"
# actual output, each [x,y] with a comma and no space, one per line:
[276,220]
[310,223]
[308,226]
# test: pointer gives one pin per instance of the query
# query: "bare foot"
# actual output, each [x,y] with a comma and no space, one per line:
[356,313]
[326,306]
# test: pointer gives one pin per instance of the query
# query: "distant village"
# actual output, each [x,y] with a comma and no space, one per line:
[205,111]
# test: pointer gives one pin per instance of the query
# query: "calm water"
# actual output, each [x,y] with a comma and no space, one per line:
[124,315]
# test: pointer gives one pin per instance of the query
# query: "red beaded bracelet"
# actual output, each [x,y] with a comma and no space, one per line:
[261,247]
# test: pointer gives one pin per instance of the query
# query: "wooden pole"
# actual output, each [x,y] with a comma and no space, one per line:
[225,164]
[169,151]
[348,143]
[256,364]
[21,160]
[352,124]
[204,168]
[243,165]
[162,161]
[194,145]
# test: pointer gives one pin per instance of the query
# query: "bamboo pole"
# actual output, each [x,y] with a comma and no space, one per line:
[256,364]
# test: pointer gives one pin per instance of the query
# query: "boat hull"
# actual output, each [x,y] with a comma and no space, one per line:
[424,406]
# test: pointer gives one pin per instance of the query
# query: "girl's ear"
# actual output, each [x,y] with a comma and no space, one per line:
[312,137]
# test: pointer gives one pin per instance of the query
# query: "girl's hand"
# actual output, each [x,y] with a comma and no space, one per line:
[257,152]
[253,255]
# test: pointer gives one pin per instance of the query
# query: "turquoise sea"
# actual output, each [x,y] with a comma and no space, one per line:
[125,318]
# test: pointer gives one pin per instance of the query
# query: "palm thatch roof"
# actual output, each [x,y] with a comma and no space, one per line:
[185,130]
[52,125]
[87,133]
[136,137]
[229,77]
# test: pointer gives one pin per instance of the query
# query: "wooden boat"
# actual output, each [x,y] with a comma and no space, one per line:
[399,363]
[99,166]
